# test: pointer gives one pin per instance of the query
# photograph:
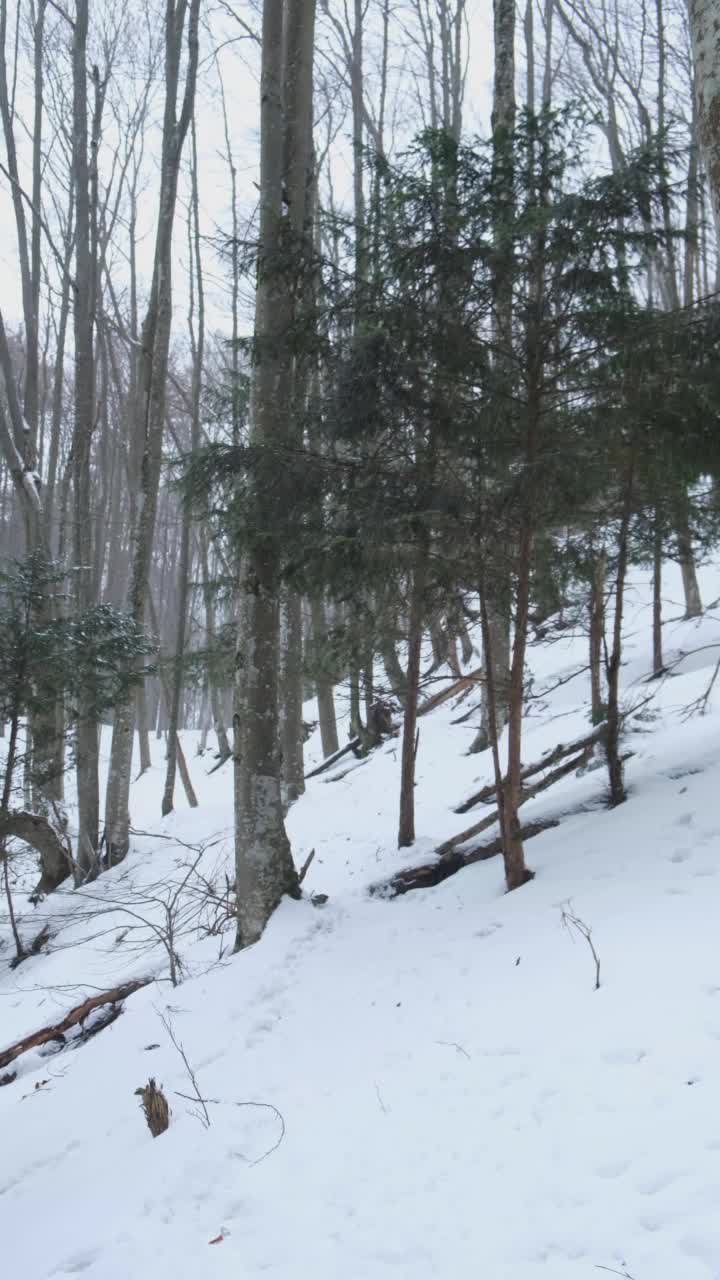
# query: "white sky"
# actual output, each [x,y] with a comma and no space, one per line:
[239,69]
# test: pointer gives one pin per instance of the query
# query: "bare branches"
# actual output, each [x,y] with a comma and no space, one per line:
[573,922]
[202,1114]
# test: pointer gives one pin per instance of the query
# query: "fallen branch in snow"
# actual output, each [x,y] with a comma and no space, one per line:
[72,1019]
[454,690]
[558,753]
[306,866]
[331,760]
[429,874]
[526,794]
[360,745]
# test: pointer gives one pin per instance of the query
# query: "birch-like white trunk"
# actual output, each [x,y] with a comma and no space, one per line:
[704,16]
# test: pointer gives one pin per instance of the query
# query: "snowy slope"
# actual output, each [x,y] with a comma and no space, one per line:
[457,1099]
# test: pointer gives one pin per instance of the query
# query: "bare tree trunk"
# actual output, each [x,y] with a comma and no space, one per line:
[291,701]
[86,732]
[496,650]
[691,588]
[196,327]
[704,18]
[264,867]
[152,379]
[616,771]
[503,126]
[597,631]
[323,682]
[216,702]
[143,727]
[406,826]
[658,665]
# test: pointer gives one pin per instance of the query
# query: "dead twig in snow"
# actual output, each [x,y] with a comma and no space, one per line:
[203,1115]
[571,921]
[452,1044]
[306,866]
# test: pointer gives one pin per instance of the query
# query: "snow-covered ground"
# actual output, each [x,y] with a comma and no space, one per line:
[446,1094]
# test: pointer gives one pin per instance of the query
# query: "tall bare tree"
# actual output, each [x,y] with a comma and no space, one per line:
[264,865]
[181,23]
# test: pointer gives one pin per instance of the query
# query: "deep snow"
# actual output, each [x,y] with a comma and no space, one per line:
[458,1100]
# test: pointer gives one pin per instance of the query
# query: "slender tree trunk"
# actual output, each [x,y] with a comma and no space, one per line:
[143,727]
[216,702]
[324,684]
[616,770]
[597,631]
[86,732]
[496,650]
[503,126]
[151,395]
[406,826]
[196,326]
[691,588]
[291,701]
[178,674]
[658,665]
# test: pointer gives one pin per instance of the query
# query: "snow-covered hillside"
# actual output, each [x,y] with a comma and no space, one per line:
[444,1093]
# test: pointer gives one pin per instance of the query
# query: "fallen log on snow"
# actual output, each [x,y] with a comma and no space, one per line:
[432,873]
[331,760]
[527,793]
[454,690]
[72,1019]
[552,757]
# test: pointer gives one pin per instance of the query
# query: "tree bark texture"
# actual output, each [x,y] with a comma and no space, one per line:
[704,16]
[264,867]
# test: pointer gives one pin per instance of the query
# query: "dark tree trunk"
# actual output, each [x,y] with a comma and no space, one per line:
[597,632]
[616,771]
[406,827]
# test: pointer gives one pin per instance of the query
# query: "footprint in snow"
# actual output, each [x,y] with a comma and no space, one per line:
[656,1182]
[612,1169]
[624,1057]
[80,1262]
[680,855]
